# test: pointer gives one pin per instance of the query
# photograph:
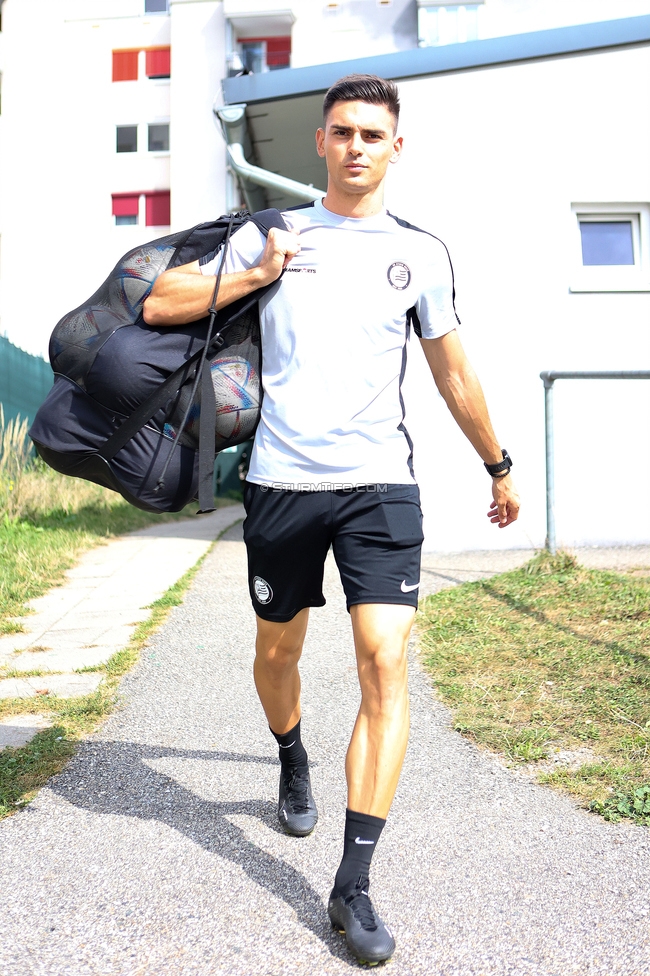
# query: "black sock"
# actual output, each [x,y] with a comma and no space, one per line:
[361,835]
[292,752]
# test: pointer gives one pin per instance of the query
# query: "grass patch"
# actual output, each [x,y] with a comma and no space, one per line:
[547,658]
[25,770]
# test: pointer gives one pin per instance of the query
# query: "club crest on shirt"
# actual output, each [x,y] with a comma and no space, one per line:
[399,275]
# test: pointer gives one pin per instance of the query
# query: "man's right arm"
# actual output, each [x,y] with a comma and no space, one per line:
[183,295]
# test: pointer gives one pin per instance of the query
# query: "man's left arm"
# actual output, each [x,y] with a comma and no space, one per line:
[461,390]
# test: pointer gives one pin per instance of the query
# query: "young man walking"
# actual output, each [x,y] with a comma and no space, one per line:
[331,464]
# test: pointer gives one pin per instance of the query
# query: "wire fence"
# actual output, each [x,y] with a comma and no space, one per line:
[25,381]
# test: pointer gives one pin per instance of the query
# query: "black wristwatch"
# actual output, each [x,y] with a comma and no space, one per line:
[501,468]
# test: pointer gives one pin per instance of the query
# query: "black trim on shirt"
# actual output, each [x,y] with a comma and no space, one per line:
[401,426]
[299,206]
[411,312]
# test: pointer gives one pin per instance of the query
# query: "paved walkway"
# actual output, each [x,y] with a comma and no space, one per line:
[93,614]
[157,853]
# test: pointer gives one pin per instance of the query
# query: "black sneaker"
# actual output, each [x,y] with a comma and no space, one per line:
[351,911]
[296,808]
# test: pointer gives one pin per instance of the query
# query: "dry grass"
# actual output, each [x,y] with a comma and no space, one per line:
[29,489]
[547,661]
[15,456]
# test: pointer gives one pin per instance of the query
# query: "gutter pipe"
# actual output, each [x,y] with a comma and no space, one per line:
[232,121]
[263,177]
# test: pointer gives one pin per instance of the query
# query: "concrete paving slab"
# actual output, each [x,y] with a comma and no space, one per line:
[63,685]
[107,594]
[82,619]
[619,558]
[18,730]
[442,569]
[64,659]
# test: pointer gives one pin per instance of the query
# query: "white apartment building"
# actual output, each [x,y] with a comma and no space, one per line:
[527,150]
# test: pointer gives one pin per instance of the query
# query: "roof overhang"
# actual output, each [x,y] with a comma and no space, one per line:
[284,108]
[265,20]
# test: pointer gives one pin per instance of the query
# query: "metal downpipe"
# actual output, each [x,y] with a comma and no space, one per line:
[262,177]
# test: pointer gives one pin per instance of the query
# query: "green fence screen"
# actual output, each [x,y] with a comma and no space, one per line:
[25,381]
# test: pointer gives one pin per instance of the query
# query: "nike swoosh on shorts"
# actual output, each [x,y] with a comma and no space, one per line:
[407,589]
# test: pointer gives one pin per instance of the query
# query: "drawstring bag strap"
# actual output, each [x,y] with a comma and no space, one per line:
[208,416]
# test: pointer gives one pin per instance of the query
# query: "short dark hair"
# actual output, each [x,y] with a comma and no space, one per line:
[364,88]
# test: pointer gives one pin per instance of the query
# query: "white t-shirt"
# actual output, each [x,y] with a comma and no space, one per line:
[334,333]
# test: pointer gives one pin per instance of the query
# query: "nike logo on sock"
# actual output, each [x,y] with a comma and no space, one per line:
[407,589]
[289,746]
[358,840]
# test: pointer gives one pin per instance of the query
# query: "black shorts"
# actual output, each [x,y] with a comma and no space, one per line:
[375,532]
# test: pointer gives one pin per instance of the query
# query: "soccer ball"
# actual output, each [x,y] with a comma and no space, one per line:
[238,395]
[131,281]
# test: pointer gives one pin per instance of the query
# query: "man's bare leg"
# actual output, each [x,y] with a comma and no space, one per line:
[278,649]
[277,652]
[378,744]
[372,766]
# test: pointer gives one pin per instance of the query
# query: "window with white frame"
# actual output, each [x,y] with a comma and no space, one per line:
[611,247]
[156,6]
[440,22]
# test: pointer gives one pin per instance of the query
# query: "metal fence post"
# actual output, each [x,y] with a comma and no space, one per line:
[550,463]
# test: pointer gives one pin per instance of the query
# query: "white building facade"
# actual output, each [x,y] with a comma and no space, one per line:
[527,150]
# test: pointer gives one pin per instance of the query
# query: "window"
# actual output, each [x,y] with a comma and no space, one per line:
[158,208]
[607,242]
[127,138]
[156,6]
[156,205]
[252,56]
[158,62]
[259,54]
[442,23]
[159,137]
[612,247]
[125,208]
[125,65]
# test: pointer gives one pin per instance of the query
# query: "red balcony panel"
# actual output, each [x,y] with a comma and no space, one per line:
[125,205]
[125,65]
[158,62]
[158,209]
